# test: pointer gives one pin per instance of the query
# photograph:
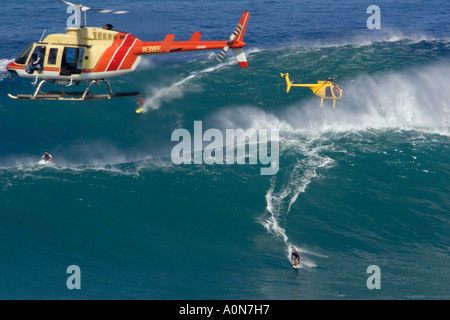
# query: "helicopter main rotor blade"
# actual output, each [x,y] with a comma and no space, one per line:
[67,2]
[105,10]
[84,8]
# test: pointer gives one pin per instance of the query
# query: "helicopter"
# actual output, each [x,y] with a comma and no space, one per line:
[92,55]
[323,89]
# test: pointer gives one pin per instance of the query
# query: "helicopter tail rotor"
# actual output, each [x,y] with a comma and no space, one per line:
[237,36]
[288,81]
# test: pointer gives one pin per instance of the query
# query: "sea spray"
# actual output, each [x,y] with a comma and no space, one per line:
[405,100]
[176,90]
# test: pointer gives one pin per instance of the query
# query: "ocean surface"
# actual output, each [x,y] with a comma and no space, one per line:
[364,184]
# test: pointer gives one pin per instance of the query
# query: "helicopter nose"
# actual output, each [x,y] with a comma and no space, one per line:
[10,67]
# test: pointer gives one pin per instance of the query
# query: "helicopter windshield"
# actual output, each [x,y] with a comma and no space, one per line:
[22,58]
[337,91]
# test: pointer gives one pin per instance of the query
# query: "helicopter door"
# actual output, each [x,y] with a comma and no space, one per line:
[71,61]
[36,60]
[328,93]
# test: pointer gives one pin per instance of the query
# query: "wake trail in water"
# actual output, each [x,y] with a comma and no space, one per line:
[281,198]
[175,91]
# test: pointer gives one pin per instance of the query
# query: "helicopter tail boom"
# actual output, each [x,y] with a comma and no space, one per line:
[313,86]
[235,42]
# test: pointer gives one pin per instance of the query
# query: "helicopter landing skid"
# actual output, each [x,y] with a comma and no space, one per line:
[73,96]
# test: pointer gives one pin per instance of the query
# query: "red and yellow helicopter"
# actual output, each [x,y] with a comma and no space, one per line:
[91,55]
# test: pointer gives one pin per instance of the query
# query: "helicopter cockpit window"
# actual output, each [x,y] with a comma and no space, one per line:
[22,58]
[337,92]
[52,55]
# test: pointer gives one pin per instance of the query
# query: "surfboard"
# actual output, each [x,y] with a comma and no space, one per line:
[45,163]
[295,267]
[139,110]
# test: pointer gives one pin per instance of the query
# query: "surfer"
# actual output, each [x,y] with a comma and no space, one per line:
[295,258]
[140,105]
[47,157]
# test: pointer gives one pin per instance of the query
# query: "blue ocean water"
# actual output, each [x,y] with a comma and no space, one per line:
[366,183]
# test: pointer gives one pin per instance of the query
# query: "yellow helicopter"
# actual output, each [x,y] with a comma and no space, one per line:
[323,89]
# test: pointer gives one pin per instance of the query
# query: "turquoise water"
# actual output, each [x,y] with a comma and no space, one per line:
[366,183]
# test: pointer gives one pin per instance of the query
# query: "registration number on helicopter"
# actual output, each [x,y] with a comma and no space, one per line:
[149,49]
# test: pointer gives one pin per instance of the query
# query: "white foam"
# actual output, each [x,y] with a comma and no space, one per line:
[26,166]
[416,99]
[3,72]
[410,100]
[361,40]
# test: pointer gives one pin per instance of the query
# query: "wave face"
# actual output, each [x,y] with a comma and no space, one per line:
[363,184]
